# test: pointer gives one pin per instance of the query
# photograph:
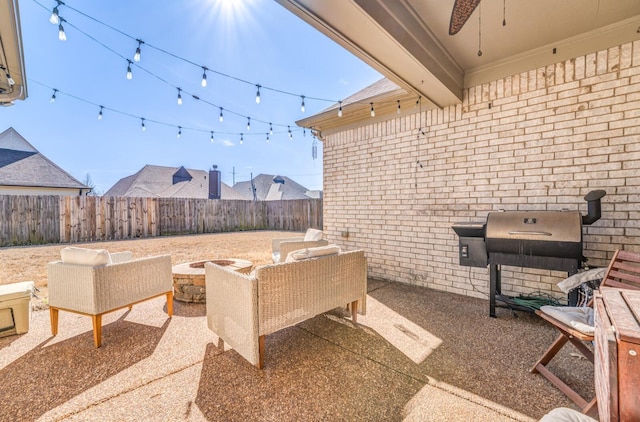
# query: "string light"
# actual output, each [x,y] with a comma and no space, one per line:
[204,76]
[136,57]
[179,132]
[267,138]
[211,136]
[258,95]
[55,19]
[304,132]
[221,116]
[241,138]
[373,113]
[144,128]
[248,123]
[143,121]
[61,34]
[204,68]
[398,109]
[179,96]
[100,113]
[340,109]
[129,74]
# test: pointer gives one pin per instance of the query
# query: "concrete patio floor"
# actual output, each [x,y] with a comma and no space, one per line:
[418,355]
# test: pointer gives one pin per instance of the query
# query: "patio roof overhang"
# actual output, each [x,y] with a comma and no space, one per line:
[13,78]
[408,40]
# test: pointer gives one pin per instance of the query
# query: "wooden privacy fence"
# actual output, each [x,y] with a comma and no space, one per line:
[29,220]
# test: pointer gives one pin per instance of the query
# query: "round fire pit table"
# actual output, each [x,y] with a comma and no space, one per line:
[188,278]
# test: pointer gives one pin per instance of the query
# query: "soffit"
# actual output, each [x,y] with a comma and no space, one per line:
[408,41]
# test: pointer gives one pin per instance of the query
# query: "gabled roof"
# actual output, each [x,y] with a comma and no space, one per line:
[158,181]
[267,189]
[22,165]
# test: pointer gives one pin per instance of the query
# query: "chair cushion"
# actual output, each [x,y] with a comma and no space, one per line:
[580,318]
[564,414]
[577,279]
[82,256]
[275,257]
[313,234]
[307,253]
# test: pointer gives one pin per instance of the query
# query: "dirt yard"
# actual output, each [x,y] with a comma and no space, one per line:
[29,262]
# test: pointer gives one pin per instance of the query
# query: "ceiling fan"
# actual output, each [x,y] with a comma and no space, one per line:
[462,9]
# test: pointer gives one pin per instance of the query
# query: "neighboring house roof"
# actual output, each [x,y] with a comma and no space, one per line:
[23,165]
[272,188]
[158,181]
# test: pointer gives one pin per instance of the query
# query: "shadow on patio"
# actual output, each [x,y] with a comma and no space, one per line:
[419,354]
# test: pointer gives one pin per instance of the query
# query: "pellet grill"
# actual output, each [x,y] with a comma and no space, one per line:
[550,240]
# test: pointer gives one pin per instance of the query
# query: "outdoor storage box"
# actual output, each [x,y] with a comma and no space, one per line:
[15,308]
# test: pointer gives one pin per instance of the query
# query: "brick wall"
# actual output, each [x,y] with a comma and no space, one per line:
[539,140]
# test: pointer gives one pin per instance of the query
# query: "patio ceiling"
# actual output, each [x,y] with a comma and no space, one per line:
[13,81]
[408,41]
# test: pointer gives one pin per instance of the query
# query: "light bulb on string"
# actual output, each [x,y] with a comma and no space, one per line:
[179,132]
[270,129]
[221,116]
[267,138]
[302,105]
[258,95]
[143,127]
[290,134]
[398,109]
[304,132]
[100,113]
[204,76]
[211,136]
[373,113]
[248,123]
[62,36]
[129,73]
[179,96]
[340,109]
[136,57]
[241,138]
[53,97]
[55,19]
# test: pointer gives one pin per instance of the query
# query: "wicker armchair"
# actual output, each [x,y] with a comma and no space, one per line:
[95,290]
[281,247]
[242,309]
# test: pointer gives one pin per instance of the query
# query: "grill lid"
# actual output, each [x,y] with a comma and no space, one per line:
[547,226]
[543,233]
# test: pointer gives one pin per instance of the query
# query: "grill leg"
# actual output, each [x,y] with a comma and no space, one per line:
[494,288]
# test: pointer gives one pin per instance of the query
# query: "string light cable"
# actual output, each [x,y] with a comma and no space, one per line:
[204,68]
[144,120]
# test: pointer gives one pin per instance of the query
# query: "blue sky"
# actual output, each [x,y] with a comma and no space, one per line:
[254,40]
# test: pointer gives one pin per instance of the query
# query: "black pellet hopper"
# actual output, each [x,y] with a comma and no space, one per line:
[549,240]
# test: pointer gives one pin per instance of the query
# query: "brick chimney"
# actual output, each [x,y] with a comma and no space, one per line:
[215,183]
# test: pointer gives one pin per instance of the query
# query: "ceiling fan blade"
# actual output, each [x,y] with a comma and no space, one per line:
[462,9]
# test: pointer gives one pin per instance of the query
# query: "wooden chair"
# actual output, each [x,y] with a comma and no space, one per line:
[623,272]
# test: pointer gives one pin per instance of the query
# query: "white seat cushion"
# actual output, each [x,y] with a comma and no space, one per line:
[307,253]
[275,256]
[312,235]
[83,256]
[564,414]
[580,318]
